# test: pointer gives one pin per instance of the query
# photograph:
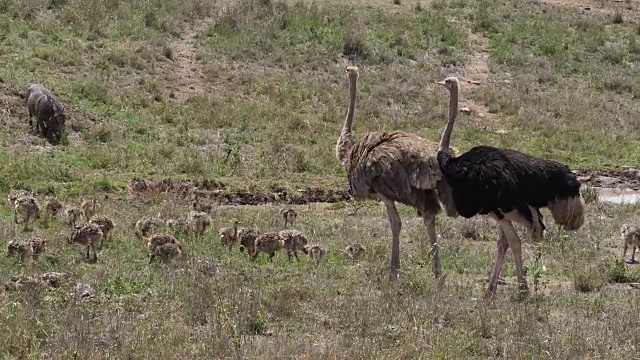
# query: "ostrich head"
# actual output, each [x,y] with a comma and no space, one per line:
[352,72]
[450,83]
[625,229]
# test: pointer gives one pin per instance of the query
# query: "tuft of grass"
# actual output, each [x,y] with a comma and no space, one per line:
[589,194]
[617,17]
[588,279]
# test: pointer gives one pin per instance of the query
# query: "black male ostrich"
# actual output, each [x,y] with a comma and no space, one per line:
[509,186]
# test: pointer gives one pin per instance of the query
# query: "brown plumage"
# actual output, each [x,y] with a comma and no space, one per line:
[52,206]
[355,251]
[105,224]
[147,226]
[395,166]
[248,238]
[631,238]
[166,252]
[14,194]
[89,207]
[88,235]
[31,248]
[27,209]
[200,222]
[156,240]
[288,216]
[270,243]
[294,242]
[229,235]
[73,214]
[316,252]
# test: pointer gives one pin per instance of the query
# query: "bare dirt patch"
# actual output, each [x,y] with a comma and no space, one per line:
[187,71]
[476,74]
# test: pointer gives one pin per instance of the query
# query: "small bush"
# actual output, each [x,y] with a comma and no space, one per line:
[354,46]
[588,280]
[617,17]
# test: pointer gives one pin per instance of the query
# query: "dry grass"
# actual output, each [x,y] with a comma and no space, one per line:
[559,83]
[213,303]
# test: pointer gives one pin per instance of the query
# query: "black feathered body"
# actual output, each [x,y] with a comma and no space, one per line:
[489,180]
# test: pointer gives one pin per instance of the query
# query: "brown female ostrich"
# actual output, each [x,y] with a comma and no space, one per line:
[509,186]
[394,166]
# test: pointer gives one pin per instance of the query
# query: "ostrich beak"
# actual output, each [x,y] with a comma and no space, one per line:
[441,82]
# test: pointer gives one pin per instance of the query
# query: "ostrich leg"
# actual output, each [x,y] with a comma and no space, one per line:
[396,225]
[503,245]
[516,247]
[535,229]
[430,223]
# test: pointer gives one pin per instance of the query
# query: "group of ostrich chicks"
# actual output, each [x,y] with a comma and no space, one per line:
[250,240]
[161,245]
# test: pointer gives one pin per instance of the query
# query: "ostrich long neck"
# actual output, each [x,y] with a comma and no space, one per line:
[453,113]
[345,141]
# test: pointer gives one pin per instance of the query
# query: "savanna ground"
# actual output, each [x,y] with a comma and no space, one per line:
[250,95]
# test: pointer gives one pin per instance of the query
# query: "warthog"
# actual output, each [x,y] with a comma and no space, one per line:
[49,113]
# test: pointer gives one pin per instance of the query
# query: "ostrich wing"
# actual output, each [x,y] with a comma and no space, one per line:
[396,164]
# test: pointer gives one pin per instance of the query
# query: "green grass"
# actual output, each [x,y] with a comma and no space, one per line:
[562,85]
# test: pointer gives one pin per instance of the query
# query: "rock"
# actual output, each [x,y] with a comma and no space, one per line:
[632,173]
[84,290]
[607,181]
[54,279]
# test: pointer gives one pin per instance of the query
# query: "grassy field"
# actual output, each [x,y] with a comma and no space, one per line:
[252,94]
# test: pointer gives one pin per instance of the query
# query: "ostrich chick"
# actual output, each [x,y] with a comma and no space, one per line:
[288,216]
[105,224]
[229,235]
[27,209]
[294,241]
[316,252]
[88,235]
[89,207]
[200,222]
[248,239]
[355,251]
[73,215]
[166,252]
[631,237]
[156,240]
[270,243]
[14,194]
[147,226]
[31,248]
[52,206]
